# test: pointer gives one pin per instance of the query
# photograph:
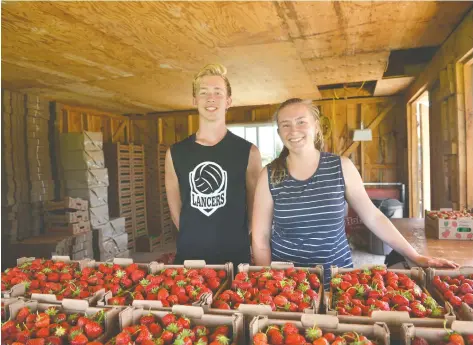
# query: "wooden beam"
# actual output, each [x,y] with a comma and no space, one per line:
[374,124]
[117,132]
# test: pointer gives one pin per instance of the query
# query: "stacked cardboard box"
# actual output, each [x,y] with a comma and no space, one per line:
[85,175]
[26,176]
[111,240]
[69,216]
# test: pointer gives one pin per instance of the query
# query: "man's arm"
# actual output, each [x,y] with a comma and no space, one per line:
[252,173]
[172,189]
[262,221]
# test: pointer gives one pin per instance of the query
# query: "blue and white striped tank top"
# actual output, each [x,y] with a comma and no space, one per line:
[308,219]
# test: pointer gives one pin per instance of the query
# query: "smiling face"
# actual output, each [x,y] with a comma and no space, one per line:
[211,98]
[297,127]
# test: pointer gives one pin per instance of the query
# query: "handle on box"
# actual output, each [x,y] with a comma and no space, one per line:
[280,265]
[329,321]
[194,263]
[189,311]
[75,304]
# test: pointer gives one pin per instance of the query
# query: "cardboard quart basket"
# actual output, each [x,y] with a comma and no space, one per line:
[410,331]
[449,229]
[251,310]
[155,268]
[131,316]
[19,290]
[465,312]
[6,302]
[329,324]
[394,319]
[71,306]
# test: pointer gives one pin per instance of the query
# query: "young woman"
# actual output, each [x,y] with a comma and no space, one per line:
[300,199]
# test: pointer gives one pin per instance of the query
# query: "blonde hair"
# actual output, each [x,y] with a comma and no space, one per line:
[212,69]
[278,166]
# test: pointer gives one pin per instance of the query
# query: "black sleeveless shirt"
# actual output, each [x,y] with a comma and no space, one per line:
[213,224]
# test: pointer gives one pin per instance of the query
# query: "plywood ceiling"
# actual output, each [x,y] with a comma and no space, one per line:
[136,57]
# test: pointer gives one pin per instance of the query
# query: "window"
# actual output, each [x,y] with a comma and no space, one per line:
[263,136]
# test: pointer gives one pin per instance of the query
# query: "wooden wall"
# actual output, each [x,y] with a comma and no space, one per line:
[381,160]
[447,80]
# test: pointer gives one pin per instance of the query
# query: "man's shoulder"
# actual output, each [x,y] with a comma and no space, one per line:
[183,144]
[239,140]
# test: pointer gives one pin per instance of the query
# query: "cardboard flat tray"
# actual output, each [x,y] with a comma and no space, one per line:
[465,312]
[69,306]
[131,316]
[394,319]
[67,203]
[328,323]
[63,216]
[410,331]
[72,229]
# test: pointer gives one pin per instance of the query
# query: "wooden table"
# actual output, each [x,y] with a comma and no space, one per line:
[413,230]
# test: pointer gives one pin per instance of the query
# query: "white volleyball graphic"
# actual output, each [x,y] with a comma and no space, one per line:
[208,178]
[208,182]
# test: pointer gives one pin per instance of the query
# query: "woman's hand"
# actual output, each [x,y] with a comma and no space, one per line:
[428,261]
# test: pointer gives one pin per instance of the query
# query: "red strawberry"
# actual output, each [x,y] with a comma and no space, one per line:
[260,339]
[289,328]
[137,275]
[39,341]
[294,339]
[168,319]
[93,330]
[78,338]
[183,322]
[144,334]
[155,329]
[42,332]
[123,338]
[42,320]
[147,319]
[53,340]
[23,314]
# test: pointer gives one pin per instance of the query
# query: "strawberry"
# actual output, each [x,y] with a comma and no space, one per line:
[144,334]
[324,341]
[39,341]
[167,337]
[78,338]
[42,320]
[93,330]
[276,337]
[168,319]
[183,322]
[147,319]
[123,338]
[53,340]
[419,341]
[42,332]
[137,275]
[23,314]
[294,339]
[155,329]
[289,328]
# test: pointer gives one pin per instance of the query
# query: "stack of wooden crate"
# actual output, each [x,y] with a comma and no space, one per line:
[126,164]
[26,173]
[138,190]
[162,233]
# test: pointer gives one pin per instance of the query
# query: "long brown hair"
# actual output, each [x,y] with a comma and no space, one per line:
[278,166]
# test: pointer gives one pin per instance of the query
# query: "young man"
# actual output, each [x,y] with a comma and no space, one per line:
[211,178]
